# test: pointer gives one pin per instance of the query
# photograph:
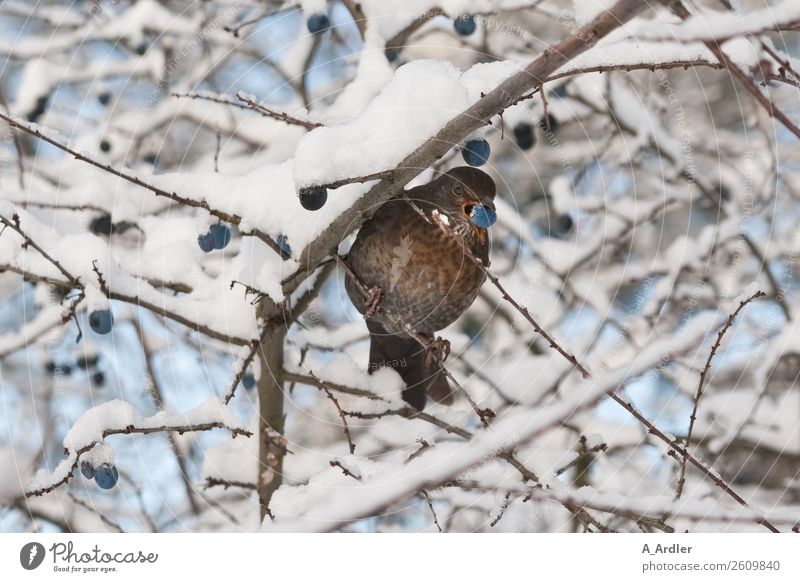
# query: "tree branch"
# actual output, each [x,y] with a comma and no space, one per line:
[460,127]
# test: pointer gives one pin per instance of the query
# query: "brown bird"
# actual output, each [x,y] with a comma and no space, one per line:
[420,276]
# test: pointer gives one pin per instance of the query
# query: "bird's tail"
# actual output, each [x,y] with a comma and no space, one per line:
[407,357]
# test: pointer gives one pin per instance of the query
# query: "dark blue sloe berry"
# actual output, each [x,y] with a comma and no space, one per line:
[465,24]
[318,23]
[248,381]
[313,197]
[101,321]
[98,379]
[87,470]
[102,225]
[482,216]
[221,235]
[206,242]
[87,361]
[38,109]
[283,244]
[561,226]
[106,476]
[476,152]
[524,136]
[548,123]
[561,91]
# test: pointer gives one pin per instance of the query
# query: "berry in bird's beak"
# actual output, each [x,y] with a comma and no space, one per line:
[482,216]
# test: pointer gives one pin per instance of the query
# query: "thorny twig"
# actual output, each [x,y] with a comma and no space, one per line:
[347,472]
[701,384]
[741,76]
[330,395]
[133,179]
[427,498]
[131,429]
[523,310]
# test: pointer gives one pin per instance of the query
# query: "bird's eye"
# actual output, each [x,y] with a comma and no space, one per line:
[458,189]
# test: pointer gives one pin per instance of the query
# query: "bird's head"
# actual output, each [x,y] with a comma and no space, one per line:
[466,195]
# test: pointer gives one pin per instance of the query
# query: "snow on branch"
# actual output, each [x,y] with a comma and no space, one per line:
[118,417]
[358,500]
[462,125]
[716,26]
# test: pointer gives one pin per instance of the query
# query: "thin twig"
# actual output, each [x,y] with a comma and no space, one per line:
[14,224]
[427,498]
[354,7]
[157,397]
[106,520]
[131,429]
[741,76]
[501,511]
[330,395]
[523,310]
[701,384]
[347,472]
[679,450]
[226,484]
[174,196]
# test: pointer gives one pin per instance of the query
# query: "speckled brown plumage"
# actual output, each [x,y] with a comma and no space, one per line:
[425,278]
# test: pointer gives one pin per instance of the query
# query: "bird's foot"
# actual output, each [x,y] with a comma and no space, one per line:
[437,351]
[374,301]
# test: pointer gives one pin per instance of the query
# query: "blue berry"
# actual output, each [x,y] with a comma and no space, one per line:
[106,476]
[561,226]
[221,235]
[318,23]
[102,225]
[482,216]
[89,361]
[464,24]
[101,320]
[313,197]
[104,98]
[548,124]
[476,152]
[523,134]
[206,242]
[98,379]
[248,381]
[283,244]
[87,470]
[105,145]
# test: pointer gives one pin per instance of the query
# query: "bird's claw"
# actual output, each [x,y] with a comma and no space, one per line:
[374,297]
[437,351]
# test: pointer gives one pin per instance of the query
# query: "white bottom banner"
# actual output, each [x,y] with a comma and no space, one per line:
[376,557]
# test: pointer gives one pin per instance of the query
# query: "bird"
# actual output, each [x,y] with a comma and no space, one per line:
[409,271]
